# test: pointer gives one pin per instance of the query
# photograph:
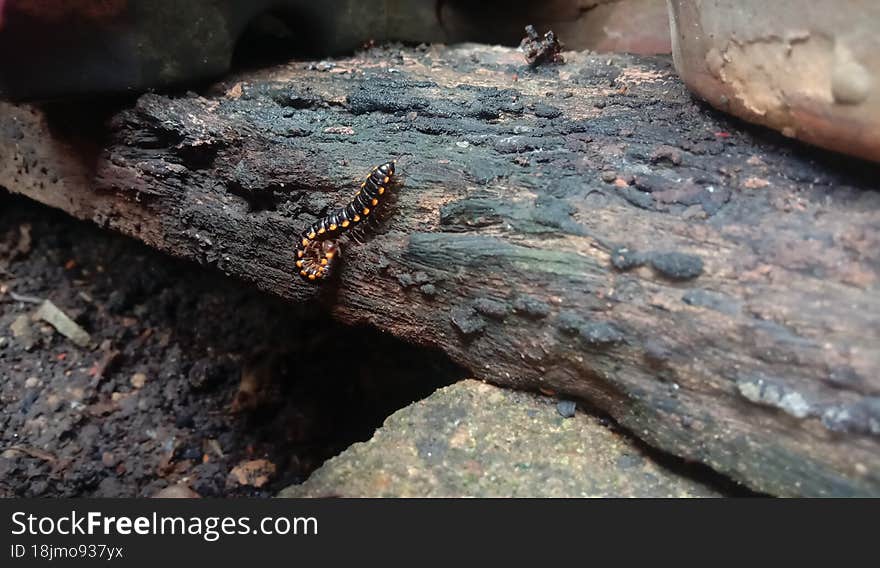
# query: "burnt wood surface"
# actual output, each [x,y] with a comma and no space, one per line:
[585,228]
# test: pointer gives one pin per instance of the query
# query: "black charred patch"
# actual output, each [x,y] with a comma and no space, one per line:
[450,126]
[712,300]
[600,334]
[472,213]
[261,192]
[492,308]
[637,198]
[650,183]
[516,144]
[656,354]
[623,258]
[671,265]
[285,95]
[713,198]
[531,307]
[467,321]
[550,211]
[384,98]
[483,171]
[514,107]
[483,111]
[569,323]
[845,377]
[263,200]
[198,156]
[677,265]
[861,417]
[599,75]
[490,103]
[546,111]
[701,189]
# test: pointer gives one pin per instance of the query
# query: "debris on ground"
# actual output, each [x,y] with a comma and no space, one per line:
[235,91]
[147,412]
[12,451]
[51,314]
[255,389]
[255,473]
[24,241]
[16,243]
[105,364]
[179,491]
[138,380]
[538,50]
[24,298]
[23,332]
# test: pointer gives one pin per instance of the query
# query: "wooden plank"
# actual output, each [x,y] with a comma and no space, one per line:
[585,228]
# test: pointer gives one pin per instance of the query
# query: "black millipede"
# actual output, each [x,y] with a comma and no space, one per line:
[317,251]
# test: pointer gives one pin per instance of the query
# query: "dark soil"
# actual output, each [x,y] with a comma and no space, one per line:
[191,378]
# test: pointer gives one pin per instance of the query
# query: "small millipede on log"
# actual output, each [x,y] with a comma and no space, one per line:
[317,251]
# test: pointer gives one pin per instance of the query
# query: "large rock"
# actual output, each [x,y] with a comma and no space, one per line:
[628,26]
[808,69]
[473,439]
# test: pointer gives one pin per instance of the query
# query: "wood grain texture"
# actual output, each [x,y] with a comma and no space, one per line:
[585,228]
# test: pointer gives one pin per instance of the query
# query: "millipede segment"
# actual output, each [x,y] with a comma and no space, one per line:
[317,252]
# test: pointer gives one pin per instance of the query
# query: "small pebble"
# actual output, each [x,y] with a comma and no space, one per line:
[138,380]
[566,408]
[608,176]
[176,492]
[32,382]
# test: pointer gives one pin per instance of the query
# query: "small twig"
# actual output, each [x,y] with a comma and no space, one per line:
[32,452]
[25,299]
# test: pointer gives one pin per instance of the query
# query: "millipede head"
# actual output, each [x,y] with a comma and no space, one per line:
[387,168]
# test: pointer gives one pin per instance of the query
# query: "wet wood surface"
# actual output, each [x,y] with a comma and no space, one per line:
[587,229]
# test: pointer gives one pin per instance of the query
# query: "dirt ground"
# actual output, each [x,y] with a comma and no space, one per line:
[188,378]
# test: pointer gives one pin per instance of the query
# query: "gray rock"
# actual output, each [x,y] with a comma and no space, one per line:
[566,408]
[473,439]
